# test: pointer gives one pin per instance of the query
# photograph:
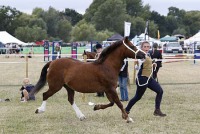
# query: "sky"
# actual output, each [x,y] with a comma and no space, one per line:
[161,6]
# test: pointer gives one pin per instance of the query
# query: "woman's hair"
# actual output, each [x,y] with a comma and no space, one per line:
[26,81]
[144,43]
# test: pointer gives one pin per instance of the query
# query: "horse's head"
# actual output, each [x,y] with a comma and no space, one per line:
[132,51]
[90,55]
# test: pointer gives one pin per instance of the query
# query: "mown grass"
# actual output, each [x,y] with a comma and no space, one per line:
[181,106]
[180,103]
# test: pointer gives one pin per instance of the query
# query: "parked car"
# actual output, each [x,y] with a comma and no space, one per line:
[172,47]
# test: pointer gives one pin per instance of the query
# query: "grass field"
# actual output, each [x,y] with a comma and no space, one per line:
[40,50]
[180,82]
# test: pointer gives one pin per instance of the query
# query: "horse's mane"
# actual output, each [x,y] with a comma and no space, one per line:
[104,54]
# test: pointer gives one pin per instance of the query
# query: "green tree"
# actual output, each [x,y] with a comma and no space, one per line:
[171,23]
[179,31]
[51,17]
[38,12]
[83,32]
[103,35]
[138,26]
[72,16]
[64,29]
[153,29]
[24,19]
[145,12]
[113,21]
[28,34]
[192,20]
[134,7]
[39,22]
[93,8]
[8,17]
[177,13]
[160,21]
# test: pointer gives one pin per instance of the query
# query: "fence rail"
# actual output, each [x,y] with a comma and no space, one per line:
[14,69]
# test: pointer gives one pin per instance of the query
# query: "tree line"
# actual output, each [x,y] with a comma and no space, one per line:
[102,19]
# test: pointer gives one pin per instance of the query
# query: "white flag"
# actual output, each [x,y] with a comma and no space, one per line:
[127,28]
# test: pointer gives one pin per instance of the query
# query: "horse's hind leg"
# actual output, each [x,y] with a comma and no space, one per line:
[113,97]
[104,106]
[51,91]
[71,93]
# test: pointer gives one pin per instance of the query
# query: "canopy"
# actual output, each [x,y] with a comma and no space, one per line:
[115,37]
[169,38]
[7,38]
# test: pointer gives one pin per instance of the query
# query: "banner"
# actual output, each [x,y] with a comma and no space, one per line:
[127,28]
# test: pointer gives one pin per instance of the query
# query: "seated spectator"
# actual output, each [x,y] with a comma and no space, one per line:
[25,90]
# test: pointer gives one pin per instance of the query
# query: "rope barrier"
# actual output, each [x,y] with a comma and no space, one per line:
[163,60]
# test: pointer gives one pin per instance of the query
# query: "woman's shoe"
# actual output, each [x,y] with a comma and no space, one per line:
[158,112]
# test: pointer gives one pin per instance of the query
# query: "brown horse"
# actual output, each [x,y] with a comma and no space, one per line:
[90,55]
[88,77]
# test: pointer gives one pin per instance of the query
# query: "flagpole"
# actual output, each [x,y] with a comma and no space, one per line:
[146,32]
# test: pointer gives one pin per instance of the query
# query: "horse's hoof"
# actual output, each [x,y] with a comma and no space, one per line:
[82,118]
[96,107]
[38,111]
[129,120]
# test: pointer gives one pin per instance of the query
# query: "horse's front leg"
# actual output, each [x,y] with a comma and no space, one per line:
[71,93]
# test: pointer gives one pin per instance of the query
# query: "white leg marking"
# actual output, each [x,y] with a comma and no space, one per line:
[79,114]
[42,108]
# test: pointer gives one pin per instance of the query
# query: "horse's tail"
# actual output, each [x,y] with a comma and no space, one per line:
[42,81]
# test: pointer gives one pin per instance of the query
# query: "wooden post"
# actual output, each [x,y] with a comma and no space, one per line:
[26,66]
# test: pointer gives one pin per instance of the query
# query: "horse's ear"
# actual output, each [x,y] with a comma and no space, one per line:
[126,39]
[84,52]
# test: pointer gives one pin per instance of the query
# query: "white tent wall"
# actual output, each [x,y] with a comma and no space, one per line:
[193,39]
[5,38]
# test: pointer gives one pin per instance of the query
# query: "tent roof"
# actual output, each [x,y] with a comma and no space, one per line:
[115,37]
[197,35]
[170,39]
[194,38]
[5,38]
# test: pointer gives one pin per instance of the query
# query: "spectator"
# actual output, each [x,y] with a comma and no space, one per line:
[156,55]
[123,78]
[99,50]
[25,90]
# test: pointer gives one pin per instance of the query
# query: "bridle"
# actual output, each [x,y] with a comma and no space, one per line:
[135,52]
[135,58]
